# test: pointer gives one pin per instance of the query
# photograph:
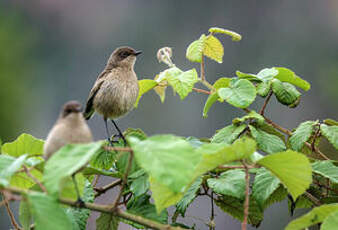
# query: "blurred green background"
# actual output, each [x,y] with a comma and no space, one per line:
[52,51]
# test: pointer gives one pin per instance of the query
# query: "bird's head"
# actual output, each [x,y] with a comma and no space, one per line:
[71,108]
[124,57]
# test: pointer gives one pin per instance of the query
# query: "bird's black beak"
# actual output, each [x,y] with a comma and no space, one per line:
[138,52]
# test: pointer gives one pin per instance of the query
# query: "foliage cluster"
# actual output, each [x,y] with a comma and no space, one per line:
[174,170]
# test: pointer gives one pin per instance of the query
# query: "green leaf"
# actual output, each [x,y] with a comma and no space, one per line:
[267,74]
[235,36]
[331,133]
[145,85]
[195,50]
[189,196]
[228,134]
[331,222]
[103,159]
[315,216]
[264,186]
[286,75]
[268,143]
[158,155]
[212,98]
[240,93]
[234,207]
[141,206]
[107,221]
[292,169]
[65,162]
[330,122]
[286,93]
[252,116]
[25,216]
[326,169]
[184,82]
[163,195]
[214,154]
[67,186]
[302,134]
[160,89]
[213,49]
[47,212]
[222,82]
[80,216]
[8,166]
[89,170]
[263,88]
[22,180]
[140,185]
[24,144]
[247,76]
[230,183]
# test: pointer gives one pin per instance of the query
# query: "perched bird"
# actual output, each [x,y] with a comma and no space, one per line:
[70,128]
[116,88]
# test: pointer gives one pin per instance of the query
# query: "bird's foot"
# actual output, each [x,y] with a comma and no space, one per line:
[118,136]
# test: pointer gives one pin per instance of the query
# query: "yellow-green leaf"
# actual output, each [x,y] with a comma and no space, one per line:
[144,86]
[292,168]
[235,36]
[195,50]
[213,49]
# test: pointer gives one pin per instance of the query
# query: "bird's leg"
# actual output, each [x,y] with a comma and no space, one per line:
[79,202]
[120,133]
[107,131]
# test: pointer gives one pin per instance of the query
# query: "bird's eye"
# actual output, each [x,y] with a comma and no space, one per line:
[124,54]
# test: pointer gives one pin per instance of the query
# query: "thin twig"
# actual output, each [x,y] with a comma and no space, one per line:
[314,200]
[247,191]
[238,166]
[261,112]
[124,181]
[106,209]
[97,177]
[105,188]
[10,213]
[29,174]
[202,69]
[201,91]
[212,217]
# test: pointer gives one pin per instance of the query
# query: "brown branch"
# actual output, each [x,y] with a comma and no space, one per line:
[9,211]
[261,112]
[314,200]
[238,166]
[124,181]
[29,174]
[202,69]
[105,188]
[247,191]
[201,91]
[106,209]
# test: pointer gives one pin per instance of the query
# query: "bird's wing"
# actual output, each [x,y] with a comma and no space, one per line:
[89,106]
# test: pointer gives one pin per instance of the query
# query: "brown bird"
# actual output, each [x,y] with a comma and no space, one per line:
[70,128]
[116,88]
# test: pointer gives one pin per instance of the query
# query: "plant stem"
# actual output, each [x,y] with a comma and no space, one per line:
[314,200]
[202,69]
[124,181]
[212,217]
[247,190]
[261,112]
[105,188]
[105,209]
[43,188]
[10,213]
[201,91]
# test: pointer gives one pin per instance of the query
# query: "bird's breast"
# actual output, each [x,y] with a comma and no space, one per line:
[116,97]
